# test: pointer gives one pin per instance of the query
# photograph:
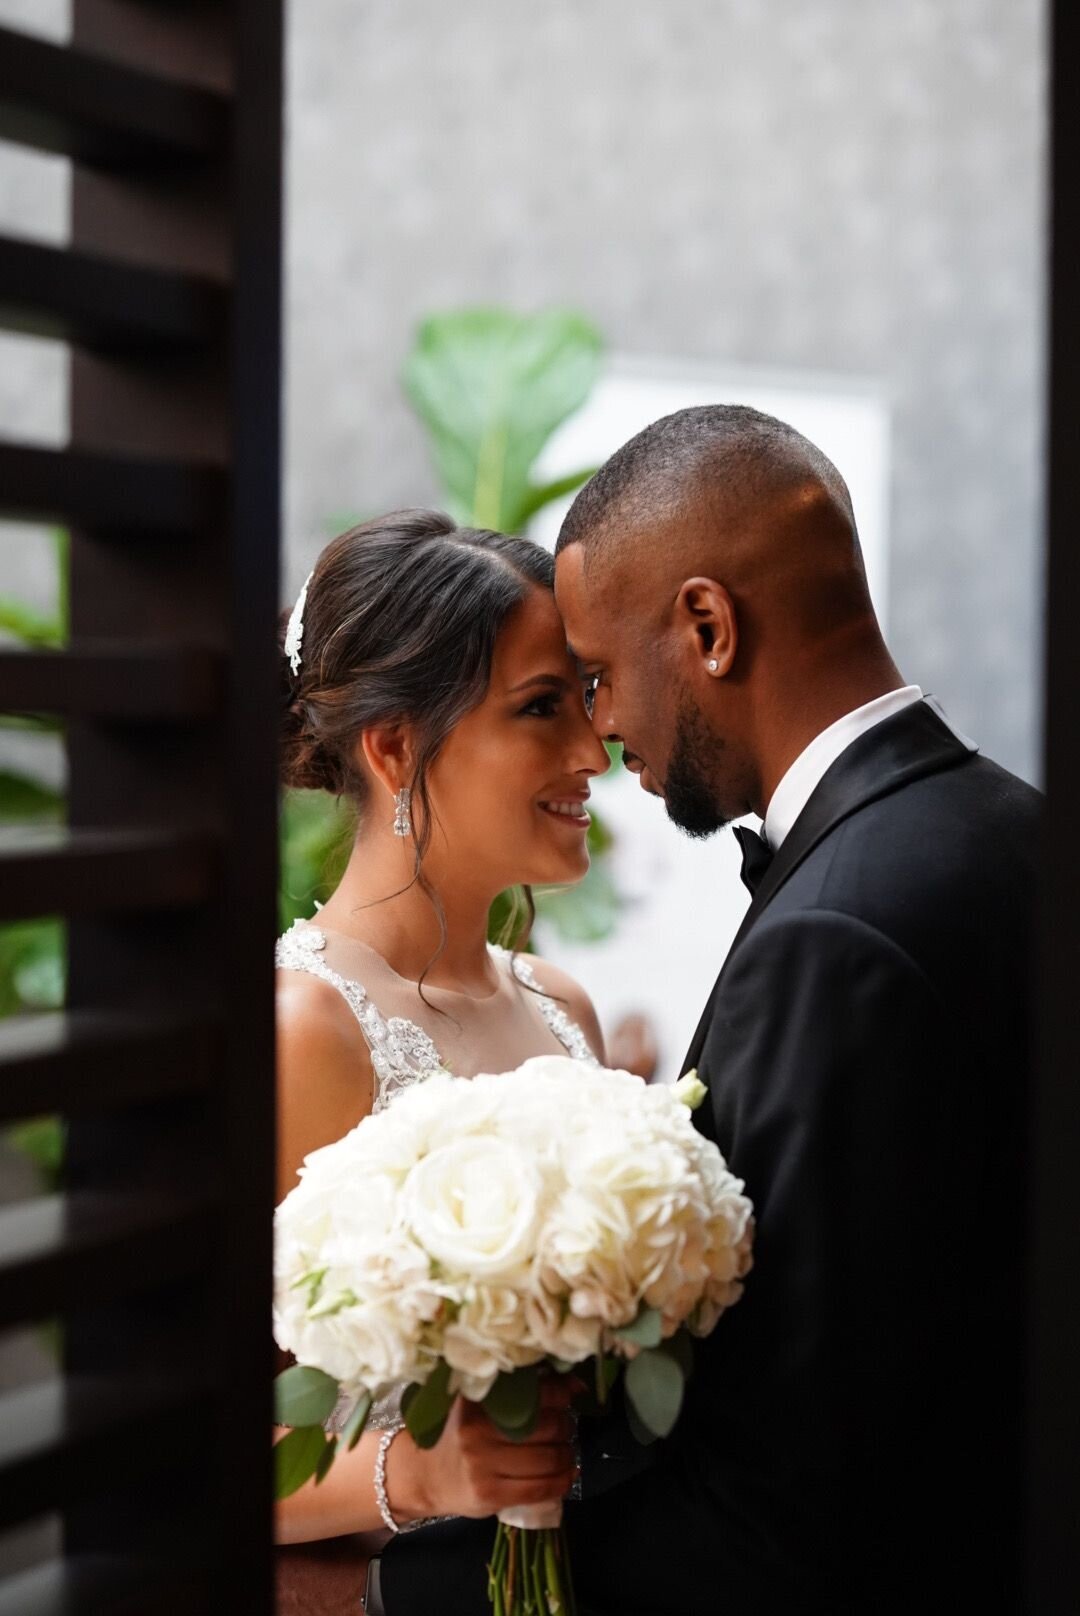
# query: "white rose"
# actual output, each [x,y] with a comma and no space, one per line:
[359,1346]
[556,1330]
[473,1205]
[489,1334]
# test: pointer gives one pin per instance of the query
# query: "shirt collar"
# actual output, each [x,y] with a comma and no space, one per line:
[801,780]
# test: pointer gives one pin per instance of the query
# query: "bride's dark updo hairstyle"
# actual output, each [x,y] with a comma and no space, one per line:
[400,624]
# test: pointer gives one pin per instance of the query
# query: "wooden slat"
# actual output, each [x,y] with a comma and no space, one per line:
[60,99]
[98,302]
[120,493]
[102,1585]
[113,680]
[61,1251]
[50,870]
[80,1063]
[64,1439]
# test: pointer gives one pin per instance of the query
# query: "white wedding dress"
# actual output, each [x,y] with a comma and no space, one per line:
[410,1038]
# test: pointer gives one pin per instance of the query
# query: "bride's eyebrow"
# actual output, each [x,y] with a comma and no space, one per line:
[554,680]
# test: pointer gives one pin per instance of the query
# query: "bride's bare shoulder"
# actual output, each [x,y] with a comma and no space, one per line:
[561,986]
[325,1084]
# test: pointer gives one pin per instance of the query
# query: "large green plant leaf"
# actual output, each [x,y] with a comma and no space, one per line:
[491,386]
[585,913]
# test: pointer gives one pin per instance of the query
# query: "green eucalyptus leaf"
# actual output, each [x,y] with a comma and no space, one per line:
[646,1330]
[491,386]
[426,1408]
[513,1403]
[638,1429]
[329,1453]
[680,1346]
[296,1458]
[304,1396]
[354,1425]
[654,1385]
[607,1373]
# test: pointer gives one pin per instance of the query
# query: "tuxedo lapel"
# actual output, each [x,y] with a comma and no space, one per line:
[913,743]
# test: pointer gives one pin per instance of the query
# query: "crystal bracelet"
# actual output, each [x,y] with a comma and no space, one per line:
[381,1497]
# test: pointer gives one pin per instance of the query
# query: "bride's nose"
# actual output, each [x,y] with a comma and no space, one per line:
[590,755]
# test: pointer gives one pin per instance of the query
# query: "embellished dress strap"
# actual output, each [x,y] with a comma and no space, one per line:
[566,1030]
[401,1052]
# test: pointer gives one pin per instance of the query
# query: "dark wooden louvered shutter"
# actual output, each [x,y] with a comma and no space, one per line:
[156,1258]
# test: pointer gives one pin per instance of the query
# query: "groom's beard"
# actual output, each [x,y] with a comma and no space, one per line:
[689,796]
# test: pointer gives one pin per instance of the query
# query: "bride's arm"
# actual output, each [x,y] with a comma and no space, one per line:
[325,1084]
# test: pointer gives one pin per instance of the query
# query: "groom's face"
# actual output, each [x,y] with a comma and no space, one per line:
[629,666]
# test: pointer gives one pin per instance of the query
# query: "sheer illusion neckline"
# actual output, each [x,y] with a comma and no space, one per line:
[458,995]
[452,1031]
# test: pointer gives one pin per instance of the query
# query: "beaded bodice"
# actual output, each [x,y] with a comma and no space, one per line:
[401,1051]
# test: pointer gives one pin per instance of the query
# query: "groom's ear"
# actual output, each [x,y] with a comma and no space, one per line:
[388,754]
[705,618]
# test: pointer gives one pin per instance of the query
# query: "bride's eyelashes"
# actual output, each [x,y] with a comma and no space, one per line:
[542,706]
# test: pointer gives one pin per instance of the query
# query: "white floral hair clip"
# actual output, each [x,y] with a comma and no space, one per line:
[294,634]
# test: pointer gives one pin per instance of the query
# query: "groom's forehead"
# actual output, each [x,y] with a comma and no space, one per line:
[598,600]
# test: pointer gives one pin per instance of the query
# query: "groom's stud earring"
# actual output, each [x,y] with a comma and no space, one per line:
[713,664]
[402,816]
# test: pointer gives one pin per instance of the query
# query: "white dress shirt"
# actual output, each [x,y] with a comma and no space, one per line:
[801,780]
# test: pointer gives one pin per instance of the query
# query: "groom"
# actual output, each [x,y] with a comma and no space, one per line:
[850,1440]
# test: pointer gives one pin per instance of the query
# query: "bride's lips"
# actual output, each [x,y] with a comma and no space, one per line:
[568,809]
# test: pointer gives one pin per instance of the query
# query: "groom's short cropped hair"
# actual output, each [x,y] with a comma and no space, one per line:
[709,456]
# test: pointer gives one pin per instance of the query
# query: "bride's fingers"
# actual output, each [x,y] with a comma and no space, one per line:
[530,1462]
[554,1424]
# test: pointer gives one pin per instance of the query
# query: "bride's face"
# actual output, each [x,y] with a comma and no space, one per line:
[510,786]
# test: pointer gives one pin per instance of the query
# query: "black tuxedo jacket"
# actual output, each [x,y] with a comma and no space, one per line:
[850,1437]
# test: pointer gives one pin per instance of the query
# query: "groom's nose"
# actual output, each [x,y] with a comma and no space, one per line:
[603,719]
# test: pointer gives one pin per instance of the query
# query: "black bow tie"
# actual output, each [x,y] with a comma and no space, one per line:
[757,855]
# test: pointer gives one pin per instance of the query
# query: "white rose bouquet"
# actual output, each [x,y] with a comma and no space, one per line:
[478,1230]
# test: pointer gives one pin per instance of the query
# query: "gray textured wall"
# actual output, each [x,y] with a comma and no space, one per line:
[844,185]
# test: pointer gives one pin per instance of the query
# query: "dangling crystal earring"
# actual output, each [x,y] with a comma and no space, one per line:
[402,818]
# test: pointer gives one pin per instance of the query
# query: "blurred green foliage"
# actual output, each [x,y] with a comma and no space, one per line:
[490,387]
[33,952]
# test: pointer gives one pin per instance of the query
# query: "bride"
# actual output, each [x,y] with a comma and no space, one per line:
[429,681]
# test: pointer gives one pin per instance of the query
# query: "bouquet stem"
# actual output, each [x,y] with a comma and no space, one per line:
[529,1572]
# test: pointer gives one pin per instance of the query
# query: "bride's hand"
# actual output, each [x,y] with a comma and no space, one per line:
[474,1470]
